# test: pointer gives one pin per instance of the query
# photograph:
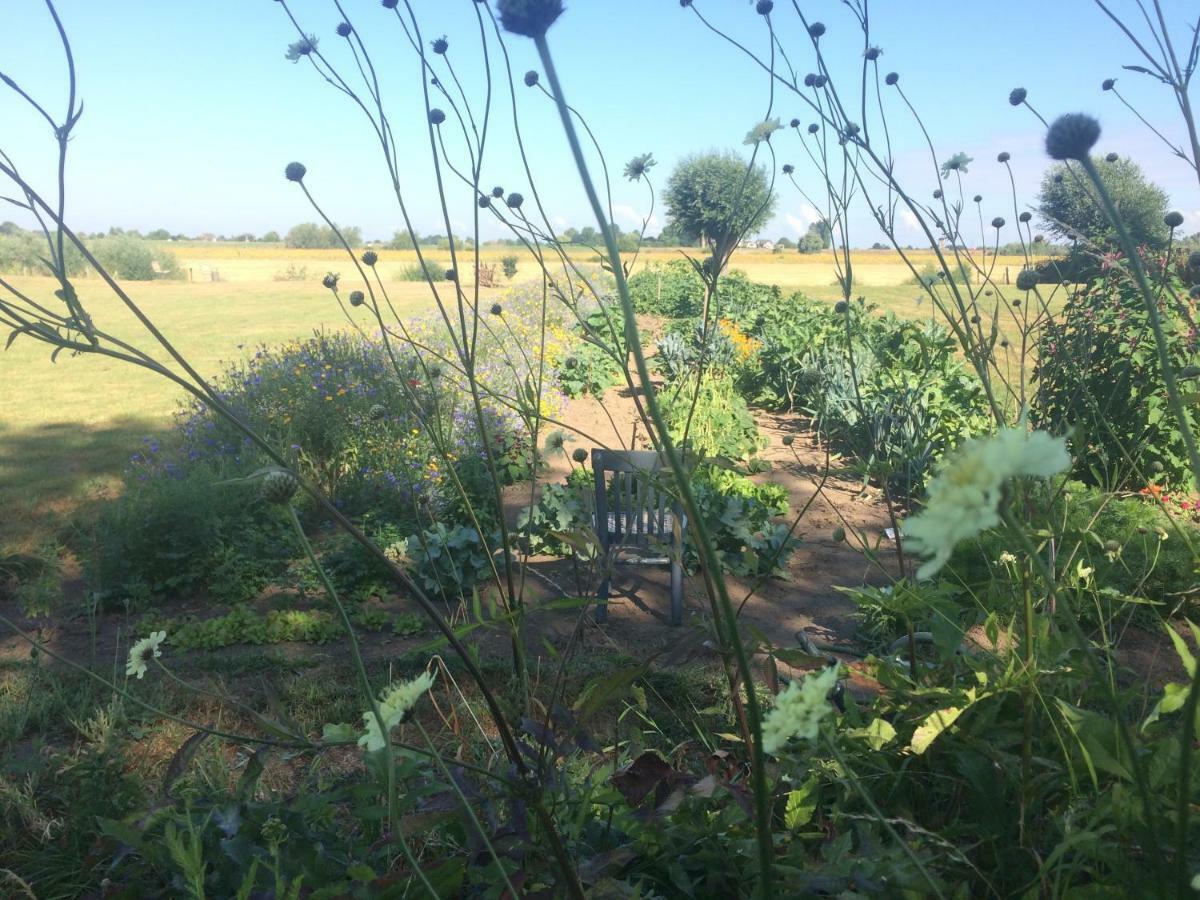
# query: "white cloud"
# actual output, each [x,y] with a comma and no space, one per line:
[800,221]
[909,218]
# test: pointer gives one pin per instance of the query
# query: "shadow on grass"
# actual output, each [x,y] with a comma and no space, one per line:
[52,471]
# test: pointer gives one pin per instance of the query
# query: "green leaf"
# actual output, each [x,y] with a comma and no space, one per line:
[878,734]
[801,805]
[937,722]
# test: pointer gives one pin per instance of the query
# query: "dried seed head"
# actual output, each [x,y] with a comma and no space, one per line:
[820,81]
[1194,260]
[515,200]
[891,79]
[436,116]
[1107,84]
[295,172]
[1111,546]
[814,128]
[788,440]
[440,45]
[497,192]
[357,298]
[369,258]
[764,7]
[1017,96]
[1037,238]
[331,280]
[978,198]
[1003,156]
[841,307]
[1112,157]
[485,201]
[390,4]
[377,412]
[937,195]
[839,534]
[816,29]
[810,79]
[1027,280]
[1072,136]
[531,18]
[998,222]
[344,30]
[531,78]
[279,487]
[1025,216]
[795,123]
[788,168]
[497,309]
[1173,219]
[579,455]
[873,53]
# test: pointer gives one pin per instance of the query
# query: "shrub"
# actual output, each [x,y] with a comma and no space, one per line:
[509,264]
[1098,378]
[368,438]
[429,271]
[738,513]
[133,259]
[563,511]
[674,290]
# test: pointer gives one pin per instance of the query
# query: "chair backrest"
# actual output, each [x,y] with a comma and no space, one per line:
[632,509]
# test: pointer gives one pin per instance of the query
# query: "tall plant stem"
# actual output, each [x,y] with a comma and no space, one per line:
[726,611]
[365,684]
[1089,653]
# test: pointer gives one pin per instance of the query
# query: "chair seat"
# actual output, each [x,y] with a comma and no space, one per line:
[640,526]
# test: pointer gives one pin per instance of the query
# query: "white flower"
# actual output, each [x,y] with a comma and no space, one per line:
[762,131]
[799,709]
[393,706]
[142,652]
[964,498]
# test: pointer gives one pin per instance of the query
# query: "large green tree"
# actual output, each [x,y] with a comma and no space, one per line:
[718,197]
[1070,207]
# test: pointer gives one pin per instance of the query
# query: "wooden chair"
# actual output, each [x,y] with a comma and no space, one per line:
[635,516]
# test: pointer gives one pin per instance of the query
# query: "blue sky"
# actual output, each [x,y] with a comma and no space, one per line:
[192,110]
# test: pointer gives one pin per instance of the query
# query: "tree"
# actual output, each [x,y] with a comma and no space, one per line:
[785,243]
[159,234]
[1070,207]
[714,198]
[815,239]
[672,236]
[271,237]
[310,236]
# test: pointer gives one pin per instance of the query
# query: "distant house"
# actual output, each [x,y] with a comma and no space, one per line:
[765,245]
[751,244]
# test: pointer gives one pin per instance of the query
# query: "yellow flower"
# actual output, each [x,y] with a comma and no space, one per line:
[393,705]
[799,710]
[964,499]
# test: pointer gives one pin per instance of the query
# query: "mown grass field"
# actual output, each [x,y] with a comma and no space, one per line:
[67,428]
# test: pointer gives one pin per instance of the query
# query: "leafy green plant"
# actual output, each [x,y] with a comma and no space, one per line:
[1099,378]
[448,560]
[558,524]
[712,418]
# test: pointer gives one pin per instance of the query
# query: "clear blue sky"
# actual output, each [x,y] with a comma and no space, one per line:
[192,110]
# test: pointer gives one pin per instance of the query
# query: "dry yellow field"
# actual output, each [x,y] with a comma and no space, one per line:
[263,262]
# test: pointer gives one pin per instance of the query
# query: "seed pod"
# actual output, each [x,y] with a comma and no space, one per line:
[279,487]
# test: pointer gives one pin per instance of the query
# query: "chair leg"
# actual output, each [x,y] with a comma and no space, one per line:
[602,600]
[676,593]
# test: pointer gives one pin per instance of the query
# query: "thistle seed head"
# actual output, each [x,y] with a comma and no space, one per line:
[369,258]
[440,45]
[279,487]
[357,298]
[1027,280]
[1072,136]
[530,18]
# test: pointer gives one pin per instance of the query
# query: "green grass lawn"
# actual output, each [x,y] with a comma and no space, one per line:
[67,428]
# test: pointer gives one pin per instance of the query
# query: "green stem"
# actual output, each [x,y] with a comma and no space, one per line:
[512,891]
[727,612]
[1089,654]
[365,684]
[878,814]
